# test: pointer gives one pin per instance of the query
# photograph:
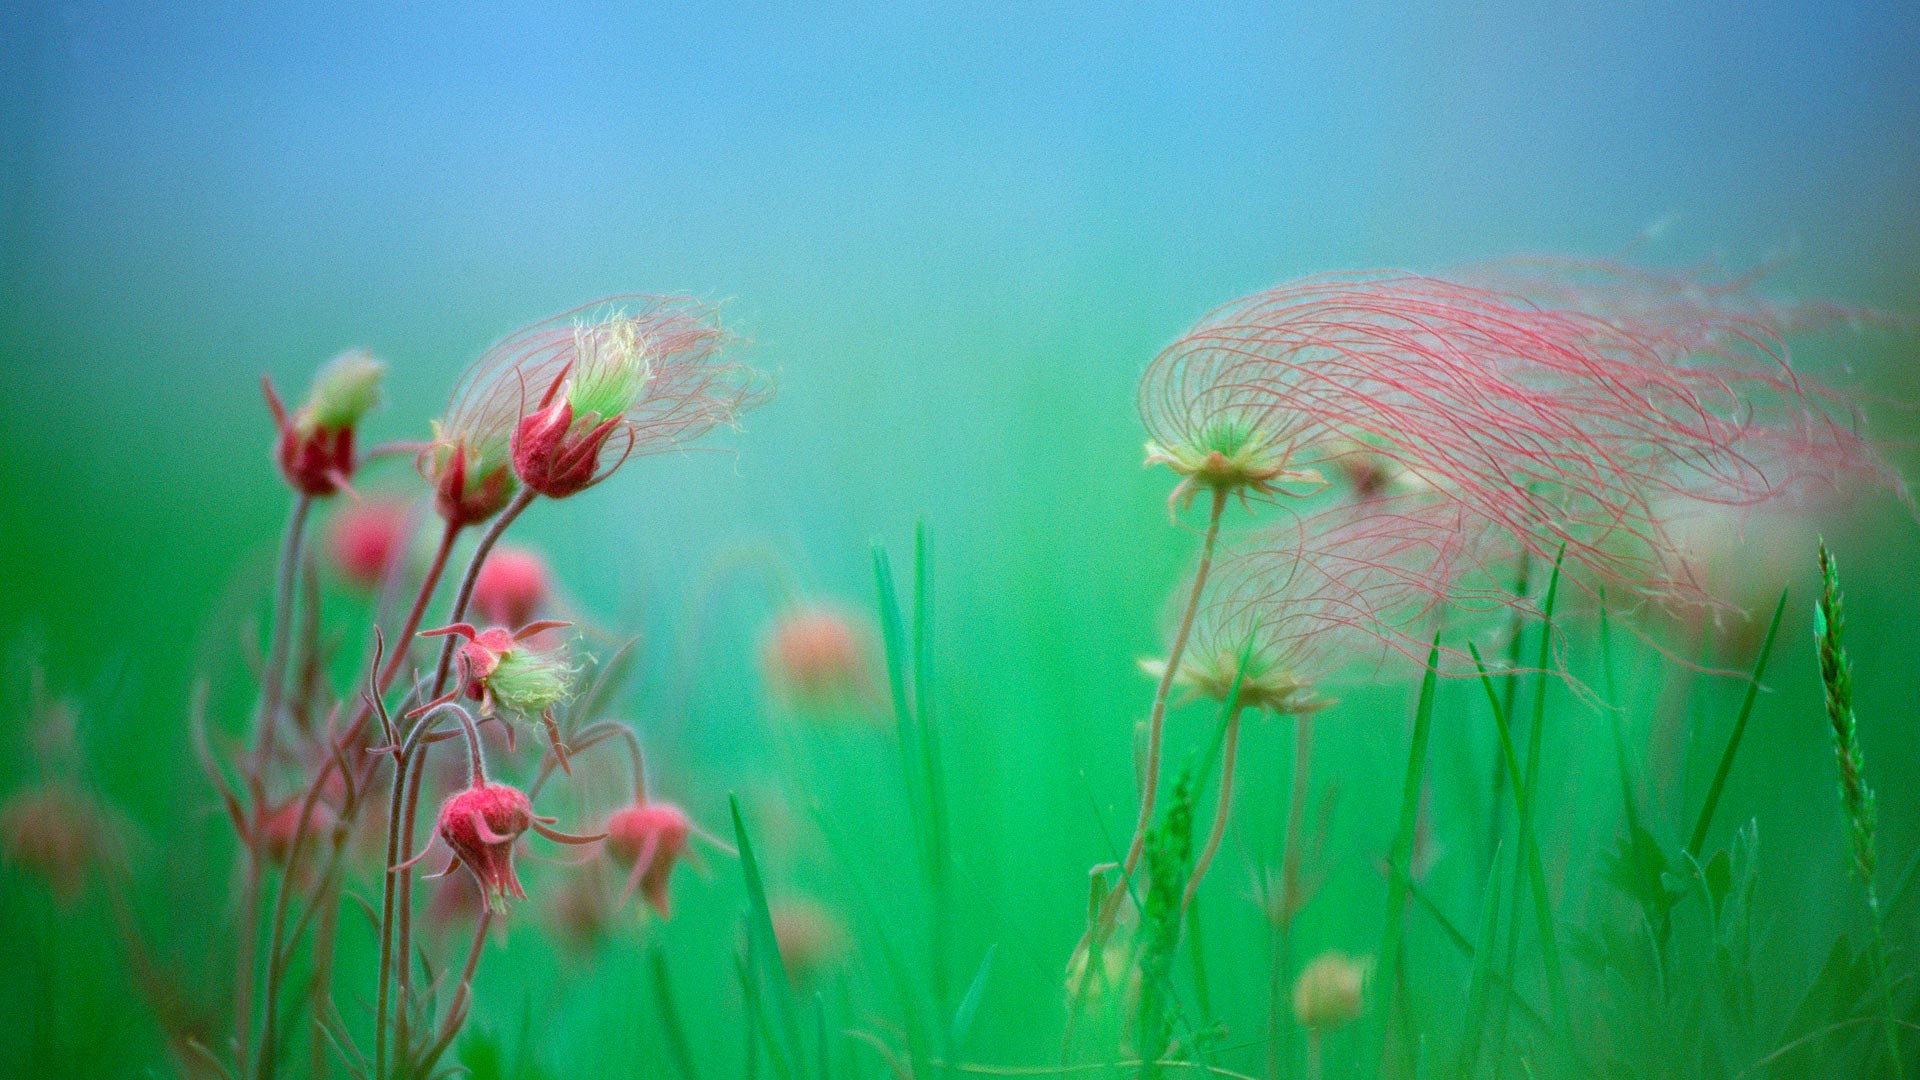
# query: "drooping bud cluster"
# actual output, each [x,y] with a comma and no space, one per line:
[315,448]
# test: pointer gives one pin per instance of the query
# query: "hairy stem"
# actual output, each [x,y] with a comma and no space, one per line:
[492,536]
[1230,744]
[1156,721]
[273,683]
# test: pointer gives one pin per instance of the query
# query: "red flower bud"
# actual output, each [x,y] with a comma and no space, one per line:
[481,824]
[367,540]
[512,586]
[647,839]
[315,449]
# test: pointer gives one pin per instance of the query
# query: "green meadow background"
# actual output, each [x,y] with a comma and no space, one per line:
[955,235]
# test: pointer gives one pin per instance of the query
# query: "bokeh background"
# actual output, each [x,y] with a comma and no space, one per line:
[956,234]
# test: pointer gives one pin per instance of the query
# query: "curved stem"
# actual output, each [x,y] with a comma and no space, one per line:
[492,536]
[1230,744]
[267,725]
[403,645]
[1296,817]
[1290,902]
[476,762]
[403,938]
[1156,722]
[457,1009]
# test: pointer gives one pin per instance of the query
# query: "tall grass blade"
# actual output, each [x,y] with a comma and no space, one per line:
[765,970]
[1705,821]
[1401,853]
[678,1046]
[963,1016]
[1479,984]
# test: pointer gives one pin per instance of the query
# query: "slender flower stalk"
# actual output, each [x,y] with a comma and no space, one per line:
[1156,720]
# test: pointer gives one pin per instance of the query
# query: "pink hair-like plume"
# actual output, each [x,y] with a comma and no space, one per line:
[1540,428]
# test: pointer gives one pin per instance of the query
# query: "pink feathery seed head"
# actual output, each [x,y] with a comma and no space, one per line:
[1341,589]
[816,654]
[647,839]
[572,397]
[480,825]
[57,832]
[367,539]
[1555,428]
[514,584]
[315,445]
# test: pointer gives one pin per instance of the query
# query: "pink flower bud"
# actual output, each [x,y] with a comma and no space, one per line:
[816,656]
[512,586]
[367,540]
[278,825]
[647,839]
[809,937]
[481,824]
[56,832]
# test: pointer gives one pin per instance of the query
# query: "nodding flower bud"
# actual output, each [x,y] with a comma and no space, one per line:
[56,832]
[278,826]
[367,540]
[315,450]
[480,825]
[510,677]
[816,656]
[808,936]
[647,839]
[1329,991]
[512,586]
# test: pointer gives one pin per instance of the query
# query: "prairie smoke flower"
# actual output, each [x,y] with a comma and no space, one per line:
[277,826]
[816,655]
[1329,991]
[481,824]
[808,936]
[1557,428]
[57,832]
[514,584]
[646,839]
[623,376]
[1299,602]
[367,539]
[510,677]
[315,450]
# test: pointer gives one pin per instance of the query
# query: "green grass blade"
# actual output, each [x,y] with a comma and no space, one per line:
[1402,851]
[1705,821]
[963,1016]
[678,1047]
[767,971]
[1479,984]
[932,779]
[1529,845]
